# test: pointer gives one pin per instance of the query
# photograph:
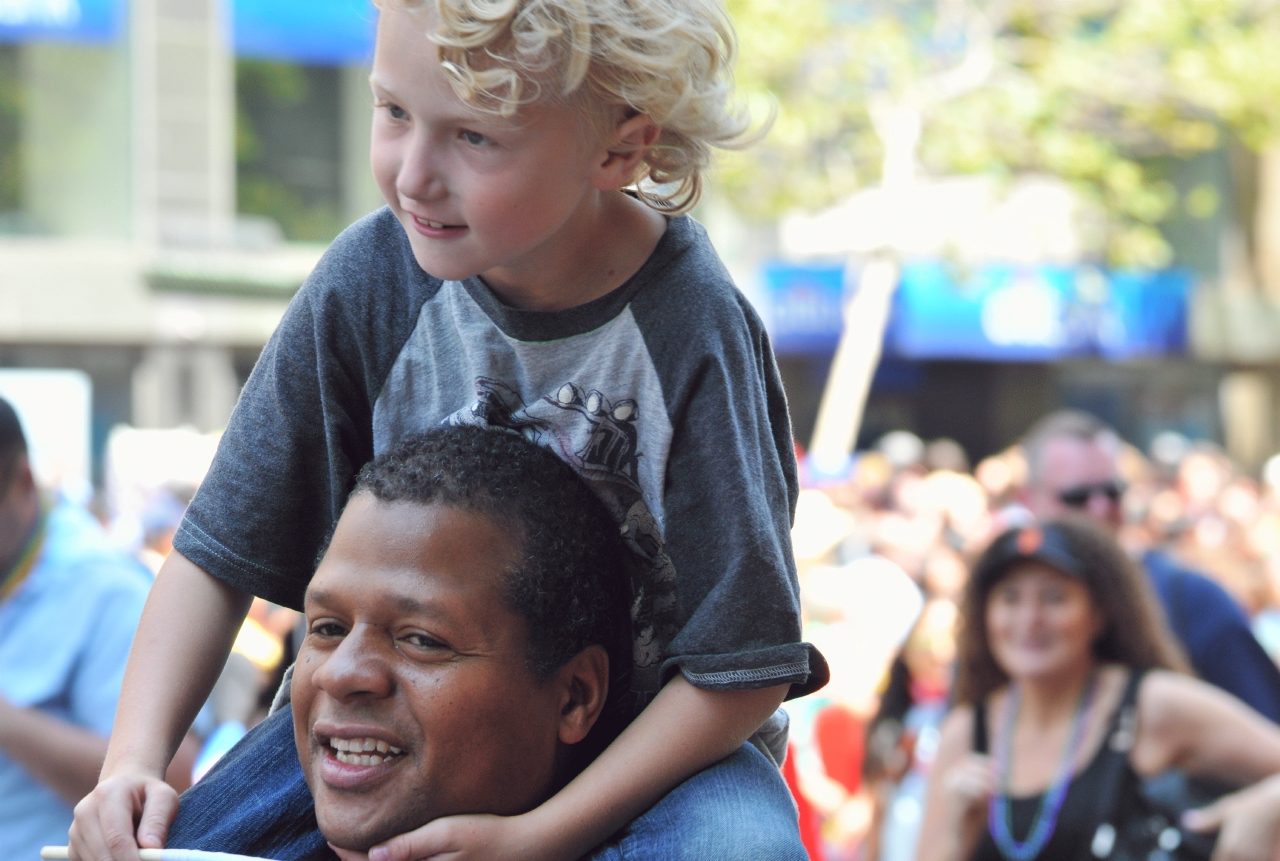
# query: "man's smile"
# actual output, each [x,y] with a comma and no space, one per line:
[354,758]
[362,751]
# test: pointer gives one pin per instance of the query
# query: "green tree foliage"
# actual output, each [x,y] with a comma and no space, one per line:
[10,130]
[1099,92]
[268,91]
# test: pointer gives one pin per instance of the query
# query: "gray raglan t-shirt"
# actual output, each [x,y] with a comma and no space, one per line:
[662,394]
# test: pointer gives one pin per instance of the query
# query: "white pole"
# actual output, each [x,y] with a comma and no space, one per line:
[854,365]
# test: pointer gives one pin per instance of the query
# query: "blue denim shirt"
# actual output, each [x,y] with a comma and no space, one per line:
[64,637]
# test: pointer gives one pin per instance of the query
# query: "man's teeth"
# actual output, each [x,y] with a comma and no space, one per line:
[362,751]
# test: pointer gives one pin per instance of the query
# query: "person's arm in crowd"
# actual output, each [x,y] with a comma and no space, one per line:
[960,783]
[187,628]
[64,757]
[684,730]
[1187,723]
[1247,822]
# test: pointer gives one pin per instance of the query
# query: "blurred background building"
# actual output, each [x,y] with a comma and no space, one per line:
[1083,200]
[170,171]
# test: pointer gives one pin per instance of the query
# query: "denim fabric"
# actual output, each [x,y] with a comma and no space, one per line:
[254,802]
[737,810]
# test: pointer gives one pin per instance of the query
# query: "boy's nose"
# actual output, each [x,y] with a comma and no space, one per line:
[420,177]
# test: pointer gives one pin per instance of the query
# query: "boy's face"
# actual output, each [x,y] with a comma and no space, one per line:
[507,198]
[411,647]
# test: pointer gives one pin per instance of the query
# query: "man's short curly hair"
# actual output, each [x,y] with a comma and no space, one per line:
[669,59]
[569,584]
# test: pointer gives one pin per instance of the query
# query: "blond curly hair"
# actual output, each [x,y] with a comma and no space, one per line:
[669,59]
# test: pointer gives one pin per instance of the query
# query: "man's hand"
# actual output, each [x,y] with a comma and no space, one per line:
[462,838]
[1247,822]
[103,829]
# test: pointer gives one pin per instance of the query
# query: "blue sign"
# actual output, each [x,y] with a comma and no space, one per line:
[315,32]
[995,312]
[89,21]
[804,305]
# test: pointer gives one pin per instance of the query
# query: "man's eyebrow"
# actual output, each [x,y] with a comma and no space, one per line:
[405,604]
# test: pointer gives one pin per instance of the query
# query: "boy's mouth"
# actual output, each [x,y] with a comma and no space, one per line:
[436,225]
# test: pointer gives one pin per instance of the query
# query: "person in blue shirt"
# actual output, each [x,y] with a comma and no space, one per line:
[1072,468]
[69,605]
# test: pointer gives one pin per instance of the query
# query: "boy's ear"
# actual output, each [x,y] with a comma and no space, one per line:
[584,684]
[625,150]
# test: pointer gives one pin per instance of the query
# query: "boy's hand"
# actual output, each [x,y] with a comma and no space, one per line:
[103,828]
[464,838]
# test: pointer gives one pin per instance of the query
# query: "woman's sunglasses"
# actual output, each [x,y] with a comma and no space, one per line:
[1079,496]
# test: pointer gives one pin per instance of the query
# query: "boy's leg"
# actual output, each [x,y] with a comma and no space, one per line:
[254,801]
[737,810]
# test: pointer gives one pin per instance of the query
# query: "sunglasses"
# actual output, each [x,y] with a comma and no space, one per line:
[1078,497]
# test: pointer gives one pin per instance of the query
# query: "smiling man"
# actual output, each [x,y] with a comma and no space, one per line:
[466,650]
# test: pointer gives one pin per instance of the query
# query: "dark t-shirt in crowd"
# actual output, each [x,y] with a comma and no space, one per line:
[1216,635]
[662,394]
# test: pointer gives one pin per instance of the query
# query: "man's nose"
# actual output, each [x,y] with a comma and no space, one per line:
[1101,507]
[358,666]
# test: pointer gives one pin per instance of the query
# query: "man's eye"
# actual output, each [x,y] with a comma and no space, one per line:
[475,138]
[422,641]
[327,629]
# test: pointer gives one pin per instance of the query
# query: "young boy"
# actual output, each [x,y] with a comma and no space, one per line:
[511,282]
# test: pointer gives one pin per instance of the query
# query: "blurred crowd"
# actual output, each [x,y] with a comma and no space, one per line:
[883,555]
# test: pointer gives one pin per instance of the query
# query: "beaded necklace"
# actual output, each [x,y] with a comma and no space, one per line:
[1046,819]
[26,559]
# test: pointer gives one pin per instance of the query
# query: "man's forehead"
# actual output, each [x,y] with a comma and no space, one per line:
[1068,460]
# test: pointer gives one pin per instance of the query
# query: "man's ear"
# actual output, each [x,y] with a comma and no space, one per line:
[584,684]
[624,151]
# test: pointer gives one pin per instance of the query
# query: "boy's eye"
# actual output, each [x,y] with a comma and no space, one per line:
[395,111]
[475,138]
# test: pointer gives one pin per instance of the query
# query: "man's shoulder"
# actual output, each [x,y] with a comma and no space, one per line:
[1179,583]
[79,561]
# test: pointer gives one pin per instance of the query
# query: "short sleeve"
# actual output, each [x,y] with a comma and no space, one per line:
[302,427]
[730,492]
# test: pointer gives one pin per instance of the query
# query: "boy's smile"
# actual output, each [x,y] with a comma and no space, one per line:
[530,202]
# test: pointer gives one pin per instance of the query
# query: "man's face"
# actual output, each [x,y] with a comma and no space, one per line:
[18,510]
[412,699]
[1083,471]
[506,197]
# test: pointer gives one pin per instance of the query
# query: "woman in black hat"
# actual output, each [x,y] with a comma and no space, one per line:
[1067,675]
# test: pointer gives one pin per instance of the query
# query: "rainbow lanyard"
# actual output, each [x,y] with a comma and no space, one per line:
[1046,819]
[26,559]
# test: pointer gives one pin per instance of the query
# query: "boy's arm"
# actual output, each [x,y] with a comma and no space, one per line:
[187,628]
[682,731]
